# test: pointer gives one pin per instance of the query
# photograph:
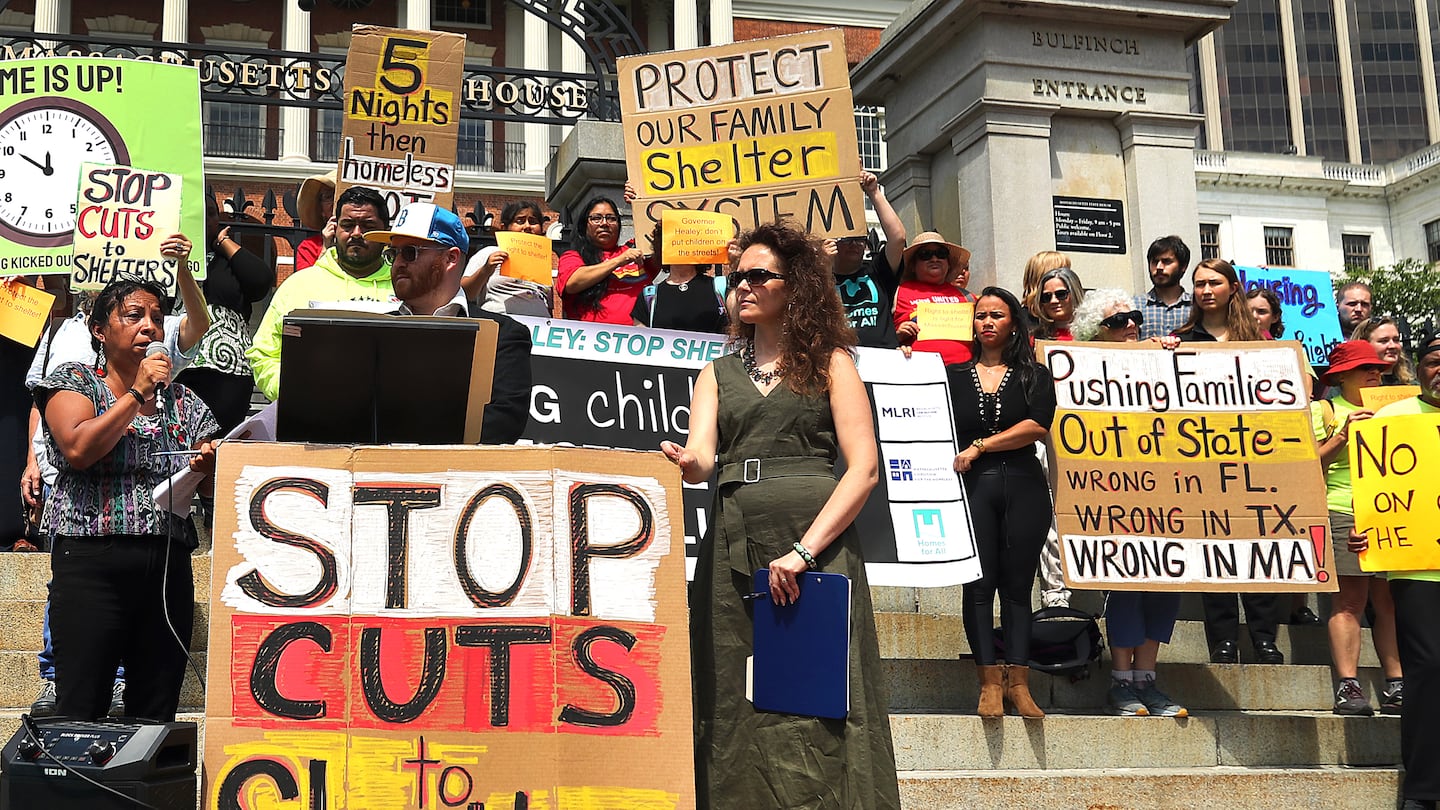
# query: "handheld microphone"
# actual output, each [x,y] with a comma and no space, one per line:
[153,348]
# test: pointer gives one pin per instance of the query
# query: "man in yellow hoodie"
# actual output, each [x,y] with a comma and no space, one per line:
[353,270]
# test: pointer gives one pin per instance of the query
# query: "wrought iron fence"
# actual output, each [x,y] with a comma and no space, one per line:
[231,140]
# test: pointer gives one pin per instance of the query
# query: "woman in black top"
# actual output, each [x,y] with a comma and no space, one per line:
[1004,402]
[235,278]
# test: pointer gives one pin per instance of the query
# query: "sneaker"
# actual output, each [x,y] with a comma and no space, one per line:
[1158,703]
[117,700]
[1124,702]
[1350,700]
[1392,698]
[44,705]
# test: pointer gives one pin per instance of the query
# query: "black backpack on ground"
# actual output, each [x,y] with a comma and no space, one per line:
[1063,641]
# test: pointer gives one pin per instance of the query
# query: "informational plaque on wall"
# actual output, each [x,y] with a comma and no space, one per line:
[1089,225]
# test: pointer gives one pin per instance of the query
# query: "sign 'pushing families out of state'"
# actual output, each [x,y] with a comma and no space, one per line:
[758,130]
[1193,469]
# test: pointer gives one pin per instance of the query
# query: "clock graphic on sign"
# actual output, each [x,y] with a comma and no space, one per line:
[43,141]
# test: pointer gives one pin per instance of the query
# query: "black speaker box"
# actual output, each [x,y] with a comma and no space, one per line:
[153,763]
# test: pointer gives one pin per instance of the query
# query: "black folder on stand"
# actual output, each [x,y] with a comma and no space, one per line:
[360,378]
[802,650]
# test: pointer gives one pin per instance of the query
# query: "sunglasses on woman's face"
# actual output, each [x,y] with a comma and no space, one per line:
[1121,319]
[755,277]
[927,255]
[1059,295]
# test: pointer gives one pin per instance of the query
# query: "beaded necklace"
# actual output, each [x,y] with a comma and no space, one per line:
[747,357]
[989,401]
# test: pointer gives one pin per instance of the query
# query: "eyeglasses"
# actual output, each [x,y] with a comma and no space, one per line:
[1061,294]
[755,277]
[936,253]
[409,252]
[602,219]
[1122,319]
[530,221]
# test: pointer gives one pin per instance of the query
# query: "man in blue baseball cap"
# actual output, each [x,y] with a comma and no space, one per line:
[427,252]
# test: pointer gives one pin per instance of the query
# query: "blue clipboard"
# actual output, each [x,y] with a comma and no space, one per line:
[802,651]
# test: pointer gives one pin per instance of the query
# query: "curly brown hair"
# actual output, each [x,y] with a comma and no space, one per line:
[814,324]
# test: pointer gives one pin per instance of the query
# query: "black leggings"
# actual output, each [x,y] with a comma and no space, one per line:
[106,607]
[1417,602]
[1011,512]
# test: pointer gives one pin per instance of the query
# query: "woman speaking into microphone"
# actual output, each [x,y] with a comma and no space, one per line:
[119,561]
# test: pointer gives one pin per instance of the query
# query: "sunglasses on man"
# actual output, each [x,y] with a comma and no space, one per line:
[409,252]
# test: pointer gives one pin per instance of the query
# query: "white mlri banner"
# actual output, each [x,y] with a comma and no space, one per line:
[628,387]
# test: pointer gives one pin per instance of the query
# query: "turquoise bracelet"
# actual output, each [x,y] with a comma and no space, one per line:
[805,555]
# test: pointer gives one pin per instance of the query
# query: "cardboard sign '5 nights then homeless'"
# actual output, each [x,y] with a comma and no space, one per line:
[444,627]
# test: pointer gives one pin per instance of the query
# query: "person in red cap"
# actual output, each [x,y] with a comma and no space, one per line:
[1354,365]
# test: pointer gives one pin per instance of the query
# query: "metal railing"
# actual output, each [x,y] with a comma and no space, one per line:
[231,140]
[482,156]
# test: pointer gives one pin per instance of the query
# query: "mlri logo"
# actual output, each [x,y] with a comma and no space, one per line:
[929,524]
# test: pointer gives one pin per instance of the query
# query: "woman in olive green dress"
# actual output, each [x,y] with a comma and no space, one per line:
[777,414]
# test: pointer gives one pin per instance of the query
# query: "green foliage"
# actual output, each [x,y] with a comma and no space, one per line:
[1408,288]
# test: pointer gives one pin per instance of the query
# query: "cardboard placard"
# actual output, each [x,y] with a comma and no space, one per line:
[760,130]
[1394,463]
[23,312]
[125,215]
[630,387]
[1193,469]
[56,114]
[425,627]
[945,320]
[695,237]
[530,256]
[402,114]
[1373,399]
[1307,306]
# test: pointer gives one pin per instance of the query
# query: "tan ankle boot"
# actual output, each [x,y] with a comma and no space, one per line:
[992,702]
[1017,691]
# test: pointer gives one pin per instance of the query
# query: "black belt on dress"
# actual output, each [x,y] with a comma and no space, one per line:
[753,471]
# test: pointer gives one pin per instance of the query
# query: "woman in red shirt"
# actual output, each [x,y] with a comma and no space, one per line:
[598,278]
[930,268]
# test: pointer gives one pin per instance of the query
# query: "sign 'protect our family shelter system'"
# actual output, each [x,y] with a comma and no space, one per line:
[1192,469]
[408,628]
[759,130]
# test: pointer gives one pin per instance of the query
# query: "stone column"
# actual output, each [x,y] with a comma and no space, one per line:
[687,25]
[999,147]
[52,16]
[413,14]
[175,23]
[537,57]
[722,22]
[294,121]
[1347,79]
[1159,152]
